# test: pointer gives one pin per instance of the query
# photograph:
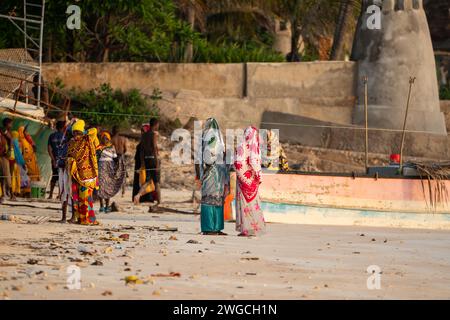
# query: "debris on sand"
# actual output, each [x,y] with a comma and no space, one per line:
[72,259]
[97,263]
[108,250]
[169,275]
[84,251]
[125,236]
[250,258]
[163,229]
[193,242]
[9,217]
[115,239]
[107,293]
[33,261]
[7,264]
[133,280]
[136,280]
[173,238]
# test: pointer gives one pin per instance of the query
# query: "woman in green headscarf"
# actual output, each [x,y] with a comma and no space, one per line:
[214,177]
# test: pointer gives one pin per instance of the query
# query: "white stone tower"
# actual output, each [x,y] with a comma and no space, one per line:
[401,48]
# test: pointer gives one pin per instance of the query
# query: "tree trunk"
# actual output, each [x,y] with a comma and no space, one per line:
[189,52]
[70,39]
[345,14]
[49,50]
[105,55]
[294,56]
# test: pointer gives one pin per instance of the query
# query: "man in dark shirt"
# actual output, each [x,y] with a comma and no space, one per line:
[57,150]
[150,157]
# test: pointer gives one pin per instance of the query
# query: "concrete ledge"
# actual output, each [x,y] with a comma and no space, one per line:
[213,80]
[309,80]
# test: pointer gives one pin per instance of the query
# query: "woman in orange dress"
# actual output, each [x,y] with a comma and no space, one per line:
[29,154]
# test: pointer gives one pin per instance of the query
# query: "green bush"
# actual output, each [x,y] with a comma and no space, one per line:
[107,107]
[224,52]
[444,93]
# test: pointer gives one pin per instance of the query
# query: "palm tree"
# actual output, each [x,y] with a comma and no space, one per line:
[309,19]
[217,18]
[344,22]
[194,12]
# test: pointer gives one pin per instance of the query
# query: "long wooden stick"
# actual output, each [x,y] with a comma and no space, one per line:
[365,80]
[411,82]
[17,96]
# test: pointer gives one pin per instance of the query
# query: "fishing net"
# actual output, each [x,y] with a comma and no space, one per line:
[434,176]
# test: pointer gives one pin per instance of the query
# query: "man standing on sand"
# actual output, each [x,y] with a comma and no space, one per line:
[149,154]
[57,150]
[120,144]
[5,152]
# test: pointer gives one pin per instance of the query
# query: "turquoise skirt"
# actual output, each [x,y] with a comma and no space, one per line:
[212,219]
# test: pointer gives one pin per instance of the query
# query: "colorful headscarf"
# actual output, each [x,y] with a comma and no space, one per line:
[213,147]
[24,135]
[145,127]
[248,164]
[105,134]
[79,125]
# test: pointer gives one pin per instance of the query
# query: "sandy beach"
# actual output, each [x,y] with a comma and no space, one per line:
[288,262]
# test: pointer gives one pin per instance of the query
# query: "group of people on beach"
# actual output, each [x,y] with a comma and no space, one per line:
[86,164]
[213,173]
[89,164]
[18,162]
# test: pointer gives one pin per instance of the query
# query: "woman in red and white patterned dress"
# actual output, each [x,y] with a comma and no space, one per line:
[249,217]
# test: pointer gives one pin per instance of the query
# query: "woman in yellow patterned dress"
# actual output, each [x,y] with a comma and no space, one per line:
[83,168]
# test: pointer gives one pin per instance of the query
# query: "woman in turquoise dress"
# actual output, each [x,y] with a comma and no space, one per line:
[213,174]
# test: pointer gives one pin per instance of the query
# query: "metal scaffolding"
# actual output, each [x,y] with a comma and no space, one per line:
[31,24]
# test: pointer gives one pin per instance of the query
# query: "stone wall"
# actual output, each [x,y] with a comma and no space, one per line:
[212,80]
[328,83]
[320,83]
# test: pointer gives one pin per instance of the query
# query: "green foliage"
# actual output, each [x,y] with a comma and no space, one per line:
[160,31]
[234,53]
[109,107]
[310,54]
[444,93]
